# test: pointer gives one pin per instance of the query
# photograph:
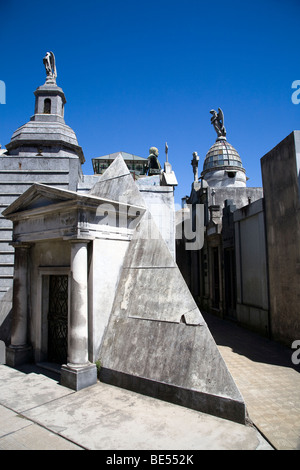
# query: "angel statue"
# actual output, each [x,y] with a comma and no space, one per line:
[217,120]
[49,63]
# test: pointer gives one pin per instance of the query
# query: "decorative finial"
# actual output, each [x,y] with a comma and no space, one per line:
[194,164]
[217,121]
[49,63]
[166,151]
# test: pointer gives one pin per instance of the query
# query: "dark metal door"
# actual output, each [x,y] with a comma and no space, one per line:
[58,319]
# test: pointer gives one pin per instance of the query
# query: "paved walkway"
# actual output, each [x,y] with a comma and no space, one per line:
[266,378]
[37,413]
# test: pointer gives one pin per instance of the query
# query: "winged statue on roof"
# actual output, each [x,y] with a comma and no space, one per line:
[217,120]
[49,63]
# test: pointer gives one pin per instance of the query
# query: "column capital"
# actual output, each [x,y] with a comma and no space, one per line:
[76,239]
[25,245]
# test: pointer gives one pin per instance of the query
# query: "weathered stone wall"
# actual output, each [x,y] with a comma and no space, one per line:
[280,173]
[160,202]
[239,196]
[251,267]
[104,272]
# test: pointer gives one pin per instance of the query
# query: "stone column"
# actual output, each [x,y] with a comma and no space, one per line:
[19,351]
[78,373]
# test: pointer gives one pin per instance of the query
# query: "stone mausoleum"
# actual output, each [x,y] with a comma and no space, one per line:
[247,269]
[93,273]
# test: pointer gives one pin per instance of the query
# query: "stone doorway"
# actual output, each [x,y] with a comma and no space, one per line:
[58,319]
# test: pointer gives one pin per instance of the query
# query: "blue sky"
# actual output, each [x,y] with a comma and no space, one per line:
[139,73]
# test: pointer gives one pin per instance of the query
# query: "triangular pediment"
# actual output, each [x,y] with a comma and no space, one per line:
[37,196]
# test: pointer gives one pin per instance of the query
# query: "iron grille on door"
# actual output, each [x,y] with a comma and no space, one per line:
[58,319]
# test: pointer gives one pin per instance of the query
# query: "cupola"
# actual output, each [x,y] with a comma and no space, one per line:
[223,165]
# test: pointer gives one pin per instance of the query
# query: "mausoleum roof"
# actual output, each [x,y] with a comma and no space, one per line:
[222,154]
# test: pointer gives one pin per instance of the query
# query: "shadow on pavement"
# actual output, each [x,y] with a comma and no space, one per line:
[31,368]
[248,343]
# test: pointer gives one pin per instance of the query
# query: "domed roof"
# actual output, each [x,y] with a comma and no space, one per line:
[44,131]
[221,154]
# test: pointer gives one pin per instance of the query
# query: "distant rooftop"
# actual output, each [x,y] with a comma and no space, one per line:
[125,155]
[137,165]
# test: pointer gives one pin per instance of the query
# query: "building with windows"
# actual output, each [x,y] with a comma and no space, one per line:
[137,165]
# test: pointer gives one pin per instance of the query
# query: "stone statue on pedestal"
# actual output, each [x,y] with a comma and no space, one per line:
[217,121]
[154,167]
[49,63]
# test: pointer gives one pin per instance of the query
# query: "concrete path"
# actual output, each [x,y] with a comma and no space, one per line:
[267,379]
[39,414]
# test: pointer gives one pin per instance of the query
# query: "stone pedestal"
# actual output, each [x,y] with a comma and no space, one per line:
[76,377]
[78,373]
[18,355]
